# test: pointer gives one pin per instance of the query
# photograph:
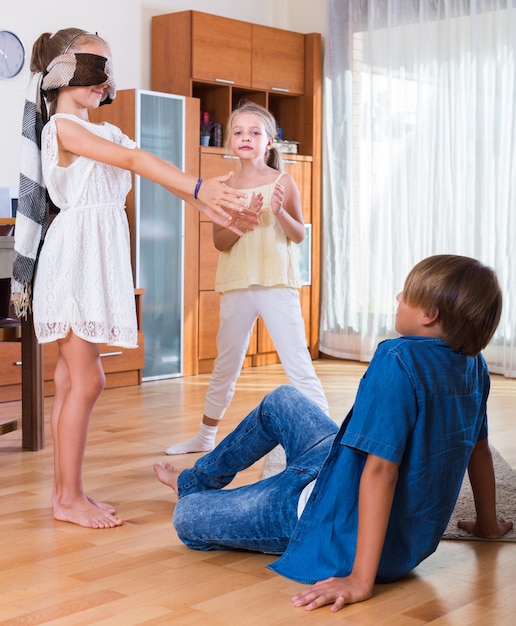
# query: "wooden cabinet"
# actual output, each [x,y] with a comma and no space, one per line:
[194,46]
[190,45]
[228,41]
[123,367]
[10,370]
[278,60]
[221,61]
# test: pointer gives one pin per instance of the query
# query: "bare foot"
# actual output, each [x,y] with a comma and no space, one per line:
[167,474]
[101,505]
[84,513]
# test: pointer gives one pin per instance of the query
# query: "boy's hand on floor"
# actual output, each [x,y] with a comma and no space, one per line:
[335,591]
[473,528]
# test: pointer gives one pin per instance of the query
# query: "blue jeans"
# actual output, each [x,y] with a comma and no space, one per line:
[262,516]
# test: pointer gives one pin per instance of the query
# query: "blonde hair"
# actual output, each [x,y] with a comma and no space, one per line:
[466,295]
[272,156]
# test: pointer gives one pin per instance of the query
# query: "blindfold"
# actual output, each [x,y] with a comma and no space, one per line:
[80,69]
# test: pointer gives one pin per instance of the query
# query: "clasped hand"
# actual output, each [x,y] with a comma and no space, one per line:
[246,219]
[232,209]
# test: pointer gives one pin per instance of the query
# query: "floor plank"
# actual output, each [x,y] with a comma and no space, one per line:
[60,574]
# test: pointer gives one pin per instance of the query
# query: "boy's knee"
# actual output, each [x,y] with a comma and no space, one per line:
[184,520]
[186,514]
[283,392]
[284,395]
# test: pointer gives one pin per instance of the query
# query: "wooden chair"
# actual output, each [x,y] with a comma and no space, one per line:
[14,329]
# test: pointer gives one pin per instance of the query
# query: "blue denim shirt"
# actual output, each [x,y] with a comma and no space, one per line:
[422,406]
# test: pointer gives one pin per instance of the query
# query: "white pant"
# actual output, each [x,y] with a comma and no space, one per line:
[280,310]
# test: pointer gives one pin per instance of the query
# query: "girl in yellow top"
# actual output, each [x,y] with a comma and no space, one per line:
[257,273]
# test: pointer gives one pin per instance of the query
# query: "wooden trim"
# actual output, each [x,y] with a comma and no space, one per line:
[33,435]
[313,122]
[191,251]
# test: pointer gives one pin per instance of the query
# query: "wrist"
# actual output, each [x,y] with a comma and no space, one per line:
[487,530]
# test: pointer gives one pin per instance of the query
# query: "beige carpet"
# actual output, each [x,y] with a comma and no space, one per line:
[465,507]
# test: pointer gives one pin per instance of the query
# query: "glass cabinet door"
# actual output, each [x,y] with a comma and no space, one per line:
[159,236]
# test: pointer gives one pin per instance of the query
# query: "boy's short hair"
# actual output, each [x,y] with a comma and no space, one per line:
[464,291]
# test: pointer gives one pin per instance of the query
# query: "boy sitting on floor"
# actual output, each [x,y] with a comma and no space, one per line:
[369,501]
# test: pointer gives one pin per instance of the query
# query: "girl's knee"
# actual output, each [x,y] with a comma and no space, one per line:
[92,384]
[62,377]
[99,382]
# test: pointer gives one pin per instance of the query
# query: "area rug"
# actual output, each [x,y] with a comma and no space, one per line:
[465,507]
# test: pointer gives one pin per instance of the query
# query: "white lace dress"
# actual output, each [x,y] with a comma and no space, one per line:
[83,279]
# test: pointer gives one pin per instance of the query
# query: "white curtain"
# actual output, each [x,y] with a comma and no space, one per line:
[419,158]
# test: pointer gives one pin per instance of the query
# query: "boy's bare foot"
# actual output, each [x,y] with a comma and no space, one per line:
[167,474]
[84,513]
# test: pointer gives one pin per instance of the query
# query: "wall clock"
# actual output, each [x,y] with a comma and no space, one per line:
[12,54]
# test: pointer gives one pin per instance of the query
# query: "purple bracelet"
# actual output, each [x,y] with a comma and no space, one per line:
[197,187]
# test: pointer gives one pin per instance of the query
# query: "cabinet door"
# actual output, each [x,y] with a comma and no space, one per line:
[221,49]
[208,257]
[10,363]
[215,162]
[264,342]
[278,60]
[159,236]
[301,172]
[209,315]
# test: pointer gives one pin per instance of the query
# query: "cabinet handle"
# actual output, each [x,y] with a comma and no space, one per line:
[288,161]
[225,81]
[17,363]
[229,156]
[282,89]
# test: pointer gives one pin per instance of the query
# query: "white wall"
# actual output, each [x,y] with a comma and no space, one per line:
[126,25]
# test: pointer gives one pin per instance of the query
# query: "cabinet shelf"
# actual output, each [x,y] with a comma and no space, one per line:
[220,100]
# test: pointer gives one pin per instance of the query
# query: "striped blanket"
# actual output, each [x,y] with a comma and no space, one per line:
[32,211]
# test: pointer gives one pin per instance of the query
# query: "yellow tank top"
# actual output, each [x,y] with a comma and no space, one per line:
[264,256]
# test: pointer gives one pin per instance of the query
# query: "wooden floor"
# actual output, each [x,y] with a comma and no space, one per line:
[60,574]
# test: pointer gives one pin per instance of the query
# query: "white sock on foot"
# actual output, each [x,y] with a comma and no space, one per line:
[204,441]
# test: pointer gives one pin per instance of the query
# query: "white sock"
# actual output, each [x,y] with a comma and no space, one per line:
[204,441]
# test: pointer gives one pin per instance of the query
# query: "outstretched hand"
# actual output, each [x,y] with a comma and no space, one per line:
[277,198]
[222,204]
[220,217]
[335,591]
[214,193]
[247,219]
[473,528]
